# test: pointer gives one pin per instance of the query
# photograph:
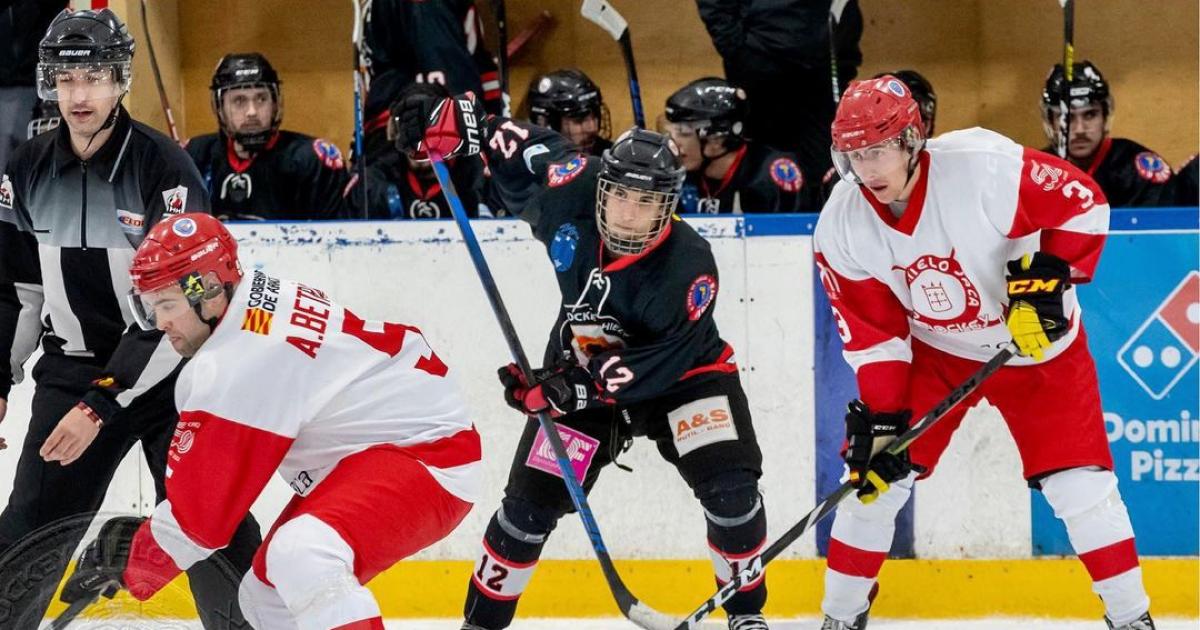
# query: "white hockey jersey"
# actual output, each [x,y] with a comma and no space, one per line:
[938,272]
[292,382]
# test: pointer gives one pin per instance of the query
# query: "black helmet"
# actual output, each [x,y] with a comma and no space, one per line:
[85,39]
[922,93]
[640,161]
[714,105]
[566,93]
[243,70]
[415,97]
[1087,86]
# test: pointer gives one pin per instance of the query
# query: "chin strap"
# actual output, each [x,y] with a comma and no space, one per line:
[108,122]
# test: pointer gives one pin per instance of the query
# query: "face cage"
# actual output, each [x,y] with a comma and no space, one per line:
[121,73]
[624,245]
[909,139]
[249,140]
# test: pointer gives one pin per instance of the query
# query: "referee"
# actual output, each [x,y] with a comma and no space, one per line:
[74,205]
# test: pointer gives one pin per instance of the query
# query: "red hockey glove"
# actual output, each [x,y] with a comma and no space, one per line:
[449,127]
[562,389]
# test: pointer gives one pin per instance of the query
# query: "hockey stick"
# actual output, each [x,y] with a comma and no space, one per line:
[517,44]
[835,16]
[1064,99]
[360,158]
[162,92]
[500,13]
[74,610]
[634,610]
[827,505]
[602,14]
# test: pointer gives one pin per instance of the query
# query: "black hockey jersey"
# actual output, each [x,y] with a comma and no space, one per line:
[295,177]
[639,324]
[760,179]
[395,191]
[1129,174]
[1187,190]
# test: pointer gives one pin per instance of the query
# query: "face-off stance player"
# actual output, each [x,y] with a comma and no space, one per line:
[360,417]
[569,102]
[726,172]
[929,271]
[635,350]
[253,169]
[1128,173]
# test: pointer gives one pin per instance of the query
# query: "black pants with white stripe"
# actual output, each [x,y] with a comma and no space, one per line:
[51,505]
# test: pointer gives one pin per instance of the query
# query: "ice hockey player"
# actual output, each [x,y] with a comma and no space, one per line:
[726,172]
[75,203]
[401,183]
[361,418]
[1129,174]
[934,254]
[570,103]
[253,169]
[635,350]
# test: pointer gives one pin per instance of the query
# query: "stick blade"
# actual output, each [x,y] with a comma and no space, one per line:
[602,14]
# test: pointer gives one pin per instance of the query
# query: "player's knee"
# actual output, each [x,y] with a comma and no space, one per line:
[305,556]
[527,521]
[1077,491]
[261,605]
[730,499]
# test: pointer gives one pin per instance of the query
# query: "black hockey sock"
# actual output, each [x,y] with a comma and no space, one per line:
[506,562]
[734,539]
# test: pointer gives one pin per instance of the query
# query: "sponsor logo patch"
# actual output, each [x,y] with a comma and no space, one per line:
[786,175]
[1046,176]
[329,154]
[702,422]
[581,448]
[562,174]
[1151,167]
[131,221]
[175,200]
[700,296]
[6,192]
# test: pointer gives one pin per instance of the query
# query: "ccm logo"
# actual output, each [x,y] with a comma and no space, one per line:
[1036,285]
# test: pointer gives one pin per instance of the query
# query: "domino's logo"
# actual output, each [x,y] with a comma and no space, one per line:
[1167,344]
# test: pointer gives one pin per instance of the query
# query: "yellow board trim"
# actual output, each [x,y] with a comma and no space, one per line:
[923,589]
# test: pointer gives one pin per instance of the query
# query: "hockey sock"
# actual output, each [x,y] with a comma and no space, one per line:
[506,561]
[737,532]
[860,540]
[1089,504]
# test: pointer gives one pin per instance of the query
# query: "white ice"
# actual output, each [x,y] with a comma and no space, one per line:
[1000,623]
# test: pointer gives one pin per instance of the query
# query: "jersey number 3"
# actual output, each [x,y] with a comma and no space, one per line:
[391,339]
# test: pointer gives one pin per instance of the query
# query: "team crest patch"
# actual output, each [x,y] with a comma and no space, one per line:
[562,248]
[700,296]
[6,192]
[175,200]
[562,174]
[1047,176]
[1151,167]
[329,154]
[786,175]
[257,321]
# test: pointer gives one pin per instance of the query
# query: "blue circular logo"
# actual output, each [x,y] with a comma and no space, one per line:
[562,248]
[184,227]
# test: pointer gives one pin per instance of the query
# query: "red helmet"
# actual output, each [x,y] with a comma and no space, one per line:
[873,111]
[181,245]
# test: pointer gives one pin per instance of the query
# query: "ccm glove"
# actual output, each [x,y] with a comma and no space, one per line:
[101,567]
[867,434]
[562,389]
[1035,306]
[449,127]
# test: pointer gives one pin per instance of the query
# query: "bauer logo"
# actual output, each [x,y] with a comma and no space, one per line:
[1167,344]
[580,447]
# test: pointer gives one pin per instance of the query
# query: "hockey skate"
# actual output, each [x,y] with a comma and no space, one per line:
[747,622]
[1141,623]
[859,623]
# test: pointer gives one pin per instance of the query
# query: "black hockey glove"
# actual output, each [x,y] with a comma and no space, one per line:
[449,127]
[101,567]
[1035,306]
[867,434]
[562,389]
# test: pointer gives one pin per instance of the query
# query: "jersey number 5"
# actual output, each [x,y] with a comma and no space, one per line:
[391,340]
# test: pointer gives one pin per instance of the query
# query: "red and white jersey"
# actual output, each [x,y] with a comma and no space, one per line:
[938,272]
[291,381]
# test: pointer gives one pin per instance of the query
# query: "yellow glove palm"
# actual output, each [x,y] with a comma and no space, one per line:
[1026,327]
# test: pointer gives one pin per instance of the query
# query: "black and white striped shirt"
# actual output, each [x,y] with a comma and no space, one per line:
[68,231]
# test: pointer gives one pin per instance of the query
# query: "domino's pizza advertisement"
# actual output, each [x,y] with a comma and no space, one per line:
[1142,314]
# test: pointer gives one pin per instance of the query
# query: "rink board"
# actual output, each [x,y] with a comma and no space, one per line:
[976,507]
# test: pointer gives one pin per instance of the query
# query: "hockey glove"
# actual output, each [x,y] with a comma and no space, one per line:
[1035,306]
[101,567]
[562,389]
[867,434]
[449,127]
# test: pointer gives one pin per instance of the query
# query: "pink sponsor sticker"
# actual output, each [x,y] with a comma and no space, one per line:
[581,448]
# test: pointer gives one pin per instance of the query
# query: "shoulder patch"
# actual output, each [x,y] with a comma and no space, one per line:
[562,173]
[562,248]
[329,154]
[1151,167]
[700,295]
[786,175]
[175,200]
[6,192]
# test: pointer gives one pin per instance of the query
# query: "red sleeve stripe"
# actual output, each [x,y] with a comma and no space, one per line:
[459,449]
[884,385]
[892,349]
[1081,250]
